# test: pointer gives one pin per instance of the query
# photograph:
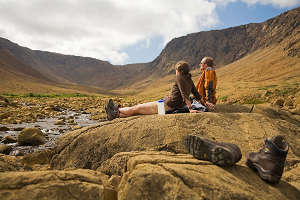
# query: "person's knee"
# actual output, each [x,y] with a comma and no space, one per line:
[136,108]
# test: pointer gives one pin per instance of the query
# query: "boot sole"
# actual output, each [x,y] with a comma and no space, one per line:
[108,109]
[262,173]
[204,149]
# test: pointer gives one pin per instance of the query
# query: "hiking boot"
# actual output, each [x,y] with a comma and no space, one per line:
[269,161]
[111,109]
[219,153]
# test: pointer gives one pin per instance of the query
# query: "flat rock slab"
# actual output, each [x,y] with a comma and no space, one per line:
[91,146]
[65,184]
[163,175]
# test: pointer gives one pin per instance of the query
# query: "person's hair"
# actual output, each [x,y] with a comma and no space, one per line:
[182,67]
[209,61]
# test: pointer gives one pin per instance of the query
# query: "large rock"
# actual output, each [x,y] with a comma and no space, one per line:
[5,149]
[31,137]
[10,163]
[91,146]
[73,184]
[163,175]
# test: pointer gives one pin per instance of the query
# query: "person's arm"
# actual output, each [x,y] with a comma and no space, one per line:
[185,92]
[210,83]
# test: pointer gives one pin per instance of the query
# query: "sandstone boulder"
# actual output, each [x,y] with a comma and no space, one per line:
[31,137]
[10,163]
[91,146]
[71,184]
[163,175]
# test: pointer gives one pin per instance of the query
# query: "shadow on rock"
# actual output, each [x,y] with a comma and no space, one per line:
[250,177]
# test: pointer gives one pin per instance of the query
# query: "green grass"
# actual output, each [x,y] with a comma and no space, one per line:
[254,101]
[31,95]
[267,87]
[223,98]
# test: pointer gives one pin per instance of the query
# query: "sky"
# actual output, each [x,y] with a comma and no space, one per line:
[124,31]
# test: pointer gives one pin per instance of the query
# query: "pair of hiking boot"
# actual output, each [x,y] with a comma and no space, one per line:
[268,162]
[112,111]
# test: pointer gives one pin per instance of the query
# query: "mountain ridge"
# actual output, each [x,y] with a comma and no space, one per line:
[226,46]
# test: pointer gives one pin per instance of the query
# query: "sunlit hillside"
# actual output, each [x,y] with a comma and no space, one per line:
[245,80]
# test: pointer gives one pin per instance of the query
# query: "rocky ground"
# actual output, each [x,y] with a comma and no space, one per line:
[143,157]
[53,116]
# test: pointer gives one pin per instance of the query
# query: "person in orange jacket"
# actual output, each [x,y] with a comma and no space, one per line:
[207,83]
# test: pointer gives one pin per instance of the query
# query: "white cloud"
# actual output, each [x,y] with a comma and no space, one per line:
[101,28]
[275,3]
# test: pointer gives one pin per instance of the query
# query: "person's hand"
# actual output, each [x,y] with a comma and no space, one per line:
[210,106]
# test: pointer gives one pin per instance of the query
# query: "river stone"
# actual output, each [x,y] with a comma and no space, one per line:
[164,175]
[31,137]
[9,139]
[5,149]
[60,185]
[4,128]
[59,122]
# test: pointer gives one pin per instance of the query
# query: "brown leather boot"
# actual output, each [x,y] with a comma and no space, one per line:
[219,153]
[269,161]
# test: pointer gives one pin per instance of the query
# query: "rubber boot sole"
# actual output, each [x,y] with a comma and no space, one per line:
[108,109]
[204,149]
[263,174]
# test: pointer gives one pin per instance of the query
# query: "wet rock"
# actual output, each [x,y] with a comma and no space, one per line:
[56,108]
[61,130]
[71,184]
[70,117]
[62,118]
[9,139]
[5,149]
[17,153]
[31,137]
[4,128]
[77,127]
[18,128]
[60,122]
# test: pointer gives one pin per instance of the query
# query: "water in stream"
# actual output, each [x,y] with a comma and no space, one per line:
[48,127]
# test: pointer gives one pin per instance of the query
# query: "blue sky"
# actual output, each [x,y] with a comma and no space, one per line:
[127,31]
[230,15]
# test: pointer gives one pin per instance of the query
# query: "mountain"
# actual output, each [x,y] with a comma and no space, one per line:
[226,46]
[231,44]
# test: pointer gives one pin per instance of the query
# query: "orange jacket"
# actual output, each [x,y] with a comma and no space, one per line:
[207,84]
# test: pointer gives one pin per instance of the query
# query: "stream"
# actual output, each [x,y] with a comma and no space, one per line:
[48,127]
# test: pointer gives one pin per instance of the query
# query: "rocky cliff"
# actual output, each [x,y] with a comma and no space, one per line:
[231,44]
